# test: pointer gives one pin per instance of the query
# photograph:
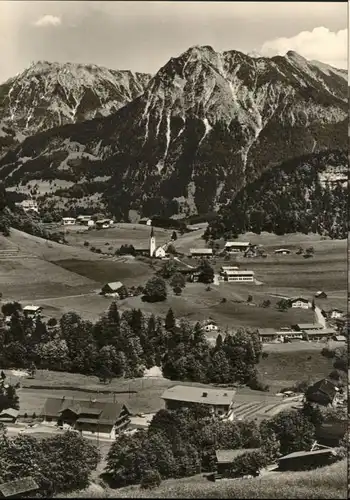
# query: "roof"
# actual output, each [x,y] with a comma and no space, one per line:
[302,299]
[68,218]
[9,411]
[108,411]
[301,454]
[114,285]
[229,268]
[24,485]
[324,331]
[201,250]
[340,338]
[325,386]
[228,456]
[309,326]
[192,394]
[144,219]
[337,310]
[239,273]
[282,250]
[267,331]
[103,221]
[94,421]
[237,244]
[31,308]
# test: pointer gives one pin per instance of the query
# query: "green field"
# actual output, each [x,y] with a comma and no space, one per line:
[326,483]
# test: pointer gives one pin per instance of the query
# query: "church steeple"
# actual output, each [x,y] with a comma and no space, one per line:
[152,243]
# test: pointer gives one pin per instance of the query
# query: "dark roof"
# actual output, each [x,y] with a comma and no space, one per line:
[108,411]
[94,421]
[228,456]
[12,488]
[325,386]
[9,412]
[203,395]
[302,454]
[296,299]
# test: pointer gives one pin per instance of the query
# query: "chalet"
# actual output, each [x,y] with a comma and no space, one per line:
[225,459]
[32,311]
[238,275]
[223,269]
[83,218]
[112,289]
[68,221]
[300,302]
[210,326]
[104,223]
[220,401]
[339,338]
[28,205]
[201,252]
[308,327]
[324,333]
[160,253]
[282,251]
[320,294]
[336,313]
[9,415]
[301,460]
[323,392]
[271,335]
[237,246]
[101,418]
[20,488]
[146,221]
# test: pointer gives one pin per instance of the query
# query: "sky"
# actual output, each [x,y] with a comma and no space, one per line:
[143,36]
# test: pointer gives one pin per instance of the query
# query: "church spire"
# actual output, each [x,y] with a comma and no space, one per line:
[152,232]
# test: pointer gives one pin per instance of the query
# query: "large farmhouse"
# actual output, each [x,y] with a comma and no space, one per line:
[201,252]
[113,289]
[323,392]
[300,302]
[237,275]
[220,401]
[100,418]
[237,246]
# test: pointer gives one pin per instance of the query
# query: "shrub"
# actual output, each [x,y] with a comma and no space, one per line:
[86,243]
[248,464]
[150,479]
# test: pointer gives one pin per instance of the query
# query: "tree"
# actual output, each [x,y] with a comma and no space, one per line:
[170,321]
[177,290]
[150,479]
[250,299]
[174,236]
[266,303]
[178,280]
[155,290]
[11,308]
[206,272]
[283,305]
[32,370]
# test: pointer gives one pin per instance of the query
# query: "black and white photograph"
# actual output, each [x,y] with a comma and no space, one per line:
[174,249]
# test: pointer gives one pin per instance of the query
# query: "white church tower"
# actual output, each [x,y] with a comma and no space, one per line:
[152,243]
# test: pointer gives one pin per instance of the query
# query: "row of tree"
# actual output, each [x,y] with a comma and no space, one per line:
[124,345]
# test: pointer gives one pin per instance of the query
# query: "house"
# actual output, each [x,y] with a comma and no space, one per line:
[68,221]
[220,401]
[201,252]
[194,276]
[9,415]
[104,223]
[159,253]
[20,488]
[32,311]
[210,326]
[237,246]
[301,460]
[142,250]
[339,338]
[223,269]
[250,252]
[225,459]
[113,288]
[28,205]
[307,327]
[321,295]
[323,392]
[324,333]
[331,433]
[300,302]
[146,221]
[282,251]
[81,219]
[231,276]
[90,417]
[271,335]
[336,313]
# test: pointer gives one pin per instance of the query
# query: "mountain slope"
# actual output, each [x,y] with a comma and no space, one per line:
[206,125]
[305,195]
[47,95]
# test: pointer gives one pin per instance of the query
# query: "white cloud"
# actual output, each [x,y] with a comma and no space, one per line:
[320,44]
[48,20]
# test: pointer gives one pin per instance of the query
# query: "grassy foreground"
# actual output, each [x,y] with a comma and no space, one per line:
[327,482]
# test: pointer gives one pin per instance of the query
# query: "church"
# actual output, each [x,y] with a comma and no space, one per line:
[154,251]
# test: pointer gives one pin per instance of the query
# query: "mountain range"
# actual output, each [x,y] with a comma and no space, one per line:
[183,141]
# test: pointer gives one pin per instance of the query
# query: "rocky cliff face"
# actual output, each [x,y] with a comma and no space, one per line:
[48,95]
[206,125]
